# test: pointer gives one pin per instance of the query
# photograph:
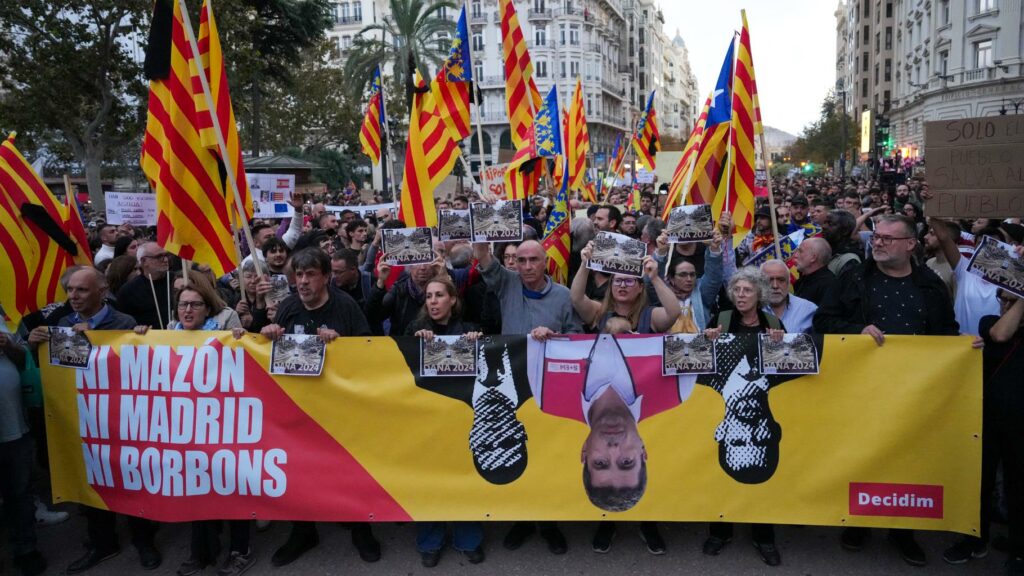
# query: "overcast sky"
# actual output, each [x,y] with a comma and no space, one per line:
[793,44]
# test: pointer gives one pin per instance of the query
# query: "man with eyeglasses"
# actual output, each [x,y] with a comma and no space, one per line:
[86,289]
[888,293]
[148,303]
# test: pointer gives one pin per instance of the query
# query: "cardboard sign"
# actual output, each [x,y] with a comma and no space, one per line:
[494,181]
[135,208]
[976,167]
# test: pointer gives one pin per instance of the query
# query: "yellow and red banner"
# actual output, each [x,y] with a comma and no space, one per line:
[180,426]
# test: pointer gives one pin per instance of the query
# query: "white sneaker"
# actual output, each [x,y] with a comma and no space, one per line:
[46,517]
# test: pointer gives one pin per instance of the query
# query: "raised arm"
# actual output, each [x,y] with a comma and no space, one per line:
[664,316]
[587,309]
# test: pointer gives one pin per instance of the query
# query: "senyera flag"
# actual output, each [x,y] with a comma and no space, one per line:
[371,133]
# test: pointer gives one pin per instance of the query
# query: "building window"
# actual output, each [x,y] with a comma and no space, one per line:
[888,37]
[864,62]
[563,69]
[867,35]
[876,74]
[478,42]
[574,35]
[542,69]
[574,69]
[864,88]
[943,12]
[888,70]
[888,9]
[983,54]
[538,6]
[887,100]
[346,42]
[867,8]
[478,71]
[561,34]
[986,5]
[878,42]
[944,62]
[540,36]
[476,10]
[357,11]
[344,11]
[442,13]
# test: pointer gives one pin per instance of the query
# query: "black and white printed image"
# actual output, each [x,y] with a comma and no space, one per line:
[69,348]
[498,222]
[687,354]
[690,224]
[279,289]
[618,254]
[448,356]
[997,262]
[453,225]
[297,355]
[408,246]
[794,354]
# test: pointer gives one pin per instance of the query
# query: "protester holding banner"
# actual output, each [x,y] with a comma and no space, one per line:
[975,298]
[86,288]
[695,292]
[531,303]
[442,316]
[888,294]
[316,308]
[1003,431]
[748,290]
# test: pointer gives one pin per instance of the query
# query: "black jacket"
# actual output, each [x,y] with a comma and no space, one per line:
[844,309]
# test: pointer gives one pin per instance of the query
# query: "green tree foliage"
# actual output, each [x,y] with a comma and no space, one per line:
[822,141]
[69,81]
[411,38]
[335,168]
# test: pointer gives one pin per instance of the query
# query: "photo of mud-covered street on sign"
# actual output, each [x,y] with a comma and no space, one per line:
[997,262]
[498,222]
[794,354]
[618,254]
[69,348]
[690,224]
[453,225]
[408,246]
[448,356]
[297,355]
[687,354]
[279,289]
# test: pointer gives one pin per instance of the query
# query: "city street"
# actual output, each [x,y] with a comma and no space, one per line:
[805,551]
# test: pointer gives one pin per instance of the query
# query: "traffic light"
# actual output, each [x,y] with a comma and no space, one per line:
[883,137]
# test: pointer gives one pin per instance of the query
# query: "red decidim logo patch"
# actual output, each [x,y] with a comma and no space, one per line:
[907,500]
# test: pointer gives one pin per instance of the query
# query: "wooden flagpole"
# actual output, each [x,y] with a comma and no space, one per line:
[221,144]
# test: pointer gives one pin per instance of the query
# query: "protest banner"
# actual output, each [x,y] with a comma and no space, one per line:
[135,208]
[976,167]
[272,194]
[179,425]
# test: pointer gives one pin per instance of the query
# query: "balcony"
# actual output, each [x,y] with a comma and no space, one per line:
[478,18]
[978,75]
[349,19]
[492,81]
[539,14]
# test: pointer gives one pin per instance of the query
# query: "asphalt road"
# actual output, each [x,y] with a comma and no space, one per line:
[805,551]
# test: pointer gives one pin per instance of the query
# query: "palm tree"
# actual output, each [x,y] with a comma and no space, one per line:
[413,36]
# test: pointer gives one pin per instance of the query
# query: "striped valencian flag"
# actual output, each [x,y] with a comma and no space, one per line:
[522,98]
[578,140]
[373,122]
[212,58]
[37,248]
[430,154]
[557,239]
[709,166]
[646,141]
[192,207]
[453,83]
[741,146]
[684,168]
[615,162]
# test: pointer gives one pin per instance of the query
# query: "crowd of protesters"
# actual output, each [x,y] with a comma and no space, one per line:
[870,263]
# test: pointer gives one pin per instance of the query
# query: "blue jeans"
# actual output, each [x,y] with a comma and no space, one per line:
[19,509]
[466,536]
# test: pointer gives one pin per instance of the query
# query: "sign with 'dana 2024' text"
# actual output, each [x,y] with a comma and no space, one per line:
[976,167]
[178,426]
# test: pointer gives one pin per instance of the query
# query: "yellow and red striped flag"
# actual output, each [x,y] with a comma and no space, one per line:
[36,247]
[708,170]
[615,162]
[76,229]
[578,139]
[192,207]
[745,119]
[371,133]
[212,58]
[684,168]
[430,154]
[453,83]
[522,99]
[646,141]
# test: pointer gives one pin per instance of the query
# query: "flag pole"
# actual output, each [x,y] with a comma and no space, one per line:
[473,86]
[730,151]
[221,144]
[389,169]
